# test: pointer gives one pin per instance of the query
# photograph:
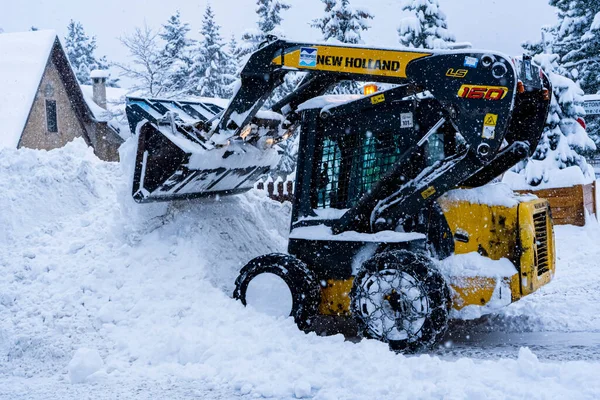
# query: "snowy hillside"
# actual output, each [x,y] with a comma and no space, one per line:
[140,295]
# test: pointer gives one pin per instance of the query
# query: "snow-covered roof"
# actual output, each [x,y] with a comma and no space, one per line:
[115,101]
[23,59]
[115,108]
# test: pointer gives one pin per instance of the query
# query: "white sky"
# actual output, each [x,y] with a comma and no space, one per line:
[500,25]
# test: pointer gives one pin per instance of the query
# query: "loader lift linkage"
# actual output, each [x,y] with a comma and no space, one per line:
[481,161]
[489,109]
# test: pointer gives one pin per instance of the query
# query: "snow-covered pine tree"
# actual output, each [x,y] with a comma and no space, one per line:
[104,64]
[424,25]
[577,41]
[269,19]
[232,67]
[321,23]
[80,49]
[289,158]
[564,138]
[342,23]
[544,45]
[211,63]
[176,55]
[269,14]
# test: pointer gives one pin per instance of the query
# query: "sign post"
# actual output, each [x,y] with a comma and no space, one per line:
[591,104]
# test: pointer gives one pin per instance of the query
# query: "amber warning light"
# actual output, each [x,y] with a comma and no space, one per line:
[369,89]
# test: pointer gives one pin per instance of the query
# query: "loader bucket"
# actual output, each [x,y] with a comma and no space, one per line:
[174,161]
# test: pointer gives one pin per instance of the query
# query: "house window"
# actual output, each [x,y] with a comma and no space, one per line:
[51,122]
[49,90]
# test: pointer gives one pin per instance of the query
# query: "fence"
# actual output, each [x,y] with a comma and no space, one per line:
[569,204]
[284,192]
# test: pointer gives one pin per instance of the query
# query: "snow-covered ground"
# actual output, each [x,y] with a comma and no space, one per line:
[102,298]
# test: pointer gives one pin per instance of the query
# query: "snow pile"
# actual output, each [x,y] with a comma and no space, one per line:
[570,303]
[99,73]
[567,177]
[150,291]
[475,265]
[85,362]
[40,189]
[79,257]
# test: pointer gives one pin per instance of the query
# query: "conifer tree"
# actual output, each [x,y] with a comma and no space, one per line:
[233,49]
[289,157]
[176,55]
[342,22]
[269,19]
[211,63]
[269,14]
[564,139]
[424,25]
[577,41]
[232,66]
[544,45]
[80,49]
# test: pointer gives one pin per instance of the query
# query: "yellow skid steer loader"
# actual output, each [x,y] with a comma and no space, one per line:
[385,237]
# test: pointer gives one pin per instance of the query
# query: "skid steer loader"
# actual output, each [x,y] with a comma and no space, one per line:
[381,216]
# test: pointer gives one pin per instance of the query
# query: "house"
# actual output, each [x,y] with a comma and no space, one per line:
[41,103]
[107,104]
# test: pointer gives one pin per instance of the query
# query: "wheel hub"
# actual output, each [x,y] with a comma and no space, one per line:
[393,304]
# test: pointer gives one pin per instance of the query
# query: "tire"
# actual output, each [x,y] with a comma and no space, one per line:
[400,298]
[304,288]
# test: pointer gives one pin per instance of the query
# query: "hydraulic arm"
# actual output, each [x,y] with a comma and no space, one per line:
[497,105]
[477,92]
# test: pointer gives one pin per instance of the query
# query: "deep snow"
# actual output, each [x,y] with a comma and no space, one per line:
[147,288]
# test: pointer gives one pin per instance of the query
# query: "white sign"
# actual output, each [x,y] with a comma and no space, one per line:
[592,107]
[406,120]
[488,132]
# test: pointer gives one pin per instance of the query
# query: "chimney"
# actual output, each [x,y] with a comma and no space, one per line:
[99,86]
